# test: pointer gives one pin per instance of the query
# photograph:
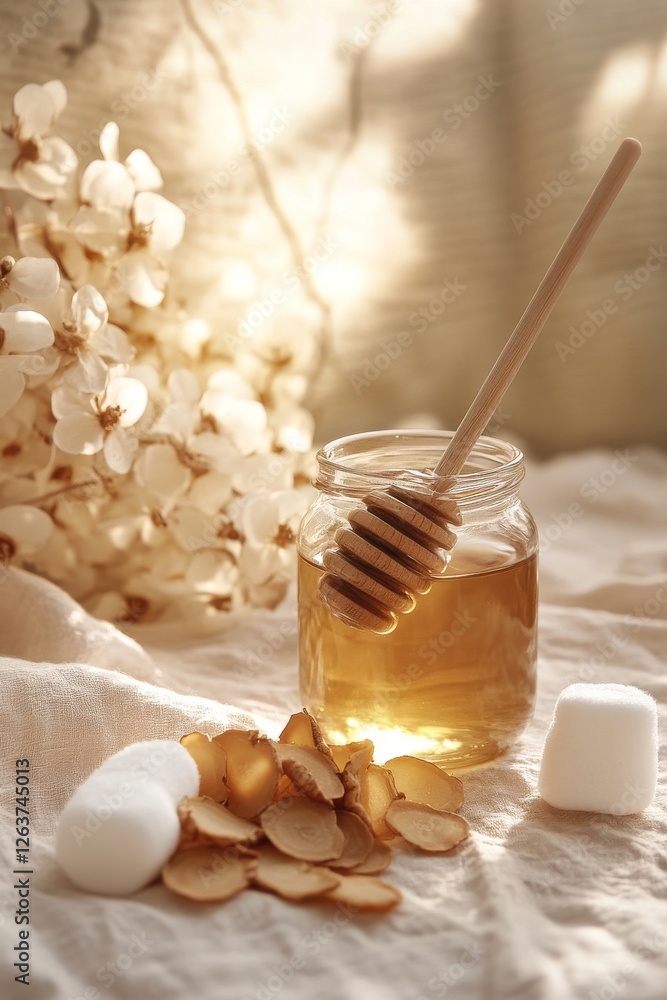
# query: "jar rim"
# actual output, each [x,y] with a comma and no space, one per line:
[355,465]
[505,457]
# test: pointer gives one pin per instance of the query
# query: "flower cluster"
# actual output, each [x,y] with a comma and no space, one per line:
[141,469]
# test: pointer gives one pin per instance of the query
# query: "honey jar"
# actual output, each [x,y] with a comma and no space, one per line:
[454,682]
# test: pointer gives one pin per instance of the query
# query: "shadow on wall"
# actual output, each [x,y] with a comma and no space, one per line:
[427,159]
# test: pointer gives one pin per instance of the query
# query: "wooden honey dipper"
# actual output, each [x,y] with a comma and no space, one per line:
[394,545]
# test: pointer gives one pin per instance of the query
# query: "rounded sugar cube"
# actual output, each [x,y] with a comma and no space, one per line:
[121,825]
[601,750]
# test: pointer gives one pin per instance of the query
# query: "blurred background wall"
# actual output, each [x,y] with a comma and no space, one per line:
[397,175]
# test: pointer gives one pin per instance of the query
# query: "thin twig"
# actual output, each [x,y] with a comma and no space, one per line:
[63,489]
[348,147]
[257,160]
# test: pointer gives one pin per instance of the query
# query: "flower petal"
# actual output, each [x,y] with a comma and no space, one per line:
[218,452]
[293,427]
[259,519]
[57,91]
[31,364]
[43,177]
[24,330]
[89,310]
[109,141]
[35,109]
[260,563]
[165,220]
[120,449]
[210,492]
[28,527]
[42,365]
[264,473]
[183,385]
[212,572]
[148,375]
[244,420]
[107,184]
[78,434]
[65,400]
[30,179]
[143,171]
[230,381]
[143,278]
[88,374]
[130,395]
[103,230]
[12,384]
[178,419]
[34,277]
[159,470]
[111,343]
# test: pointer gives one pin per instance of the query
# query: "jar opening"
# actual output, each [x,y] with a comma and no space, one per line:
[359,462]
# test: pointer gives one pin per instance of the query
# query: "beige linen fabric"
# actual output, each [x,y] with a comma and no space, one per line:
[538,904]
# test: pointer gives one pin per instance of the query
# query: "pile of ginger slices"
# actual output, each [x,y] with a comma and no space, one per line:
[303,819]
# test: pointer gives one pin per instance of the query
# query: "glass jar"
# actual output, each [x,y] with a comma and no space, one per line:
[454,682]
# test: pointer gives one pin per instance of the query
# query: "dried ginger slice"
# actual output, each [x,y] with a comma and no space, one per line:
[252,771]
[318,736]
[303,729]
[285,788]
[344,753]
[380,857]
[310,771]
[422,781]
[207,874]
[358,840]
[378,791]
[425,827]
[289,877]
[298,731]
[211,819]
[365,892]
[303,828]
[351,799]
[211,761]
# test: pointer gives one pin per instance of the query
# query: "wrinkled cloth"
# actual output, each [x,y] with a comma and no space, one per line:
[536,904]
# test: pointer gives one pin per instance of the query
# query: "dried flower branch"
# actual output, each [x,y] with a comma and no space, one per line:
[133,473]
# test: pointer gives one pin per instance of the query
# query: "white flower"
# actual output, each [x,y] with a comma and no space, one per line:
[269,524]
[265,473]
[29,277]
[218,453]
[24,451]
[213,573]
[211,492]
[162,474]
[30,159]
[89,336]
[122,212]
[86,424]
[293,427]
[231,402]
[181,415]
[217,457]
[23,530]
[157,226]
[107,183]
[22,333]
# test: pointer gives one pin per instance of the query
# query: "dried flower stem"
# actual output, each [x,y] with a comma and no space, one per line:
[264,177]
[45,497]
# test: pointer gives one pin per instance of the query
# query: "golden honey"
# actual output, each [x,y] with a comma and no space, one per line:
[455,680]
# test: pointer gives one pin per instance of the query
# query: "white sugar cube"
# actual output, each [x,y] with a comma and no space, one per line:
[601,751]
[121,824]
